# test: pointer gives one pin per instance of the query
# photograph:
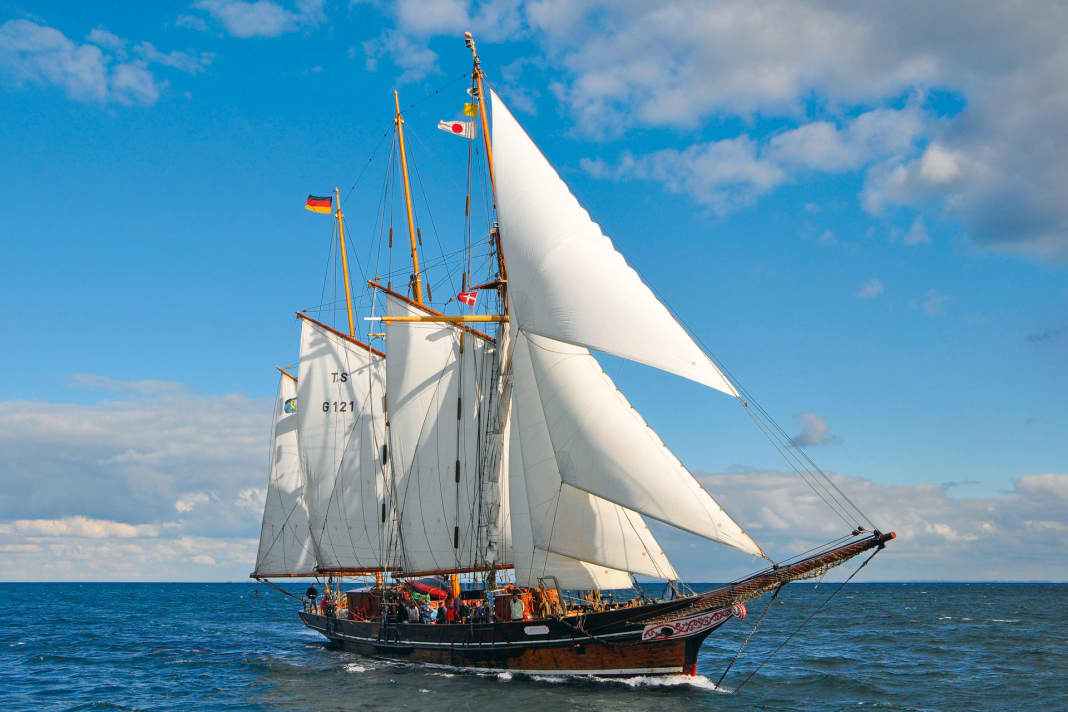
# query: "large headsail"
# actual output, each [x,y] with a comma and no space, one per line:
[341,420]
[436,376]
[603,446]
[563,519]
[285,543]
[533,563]
[566,280]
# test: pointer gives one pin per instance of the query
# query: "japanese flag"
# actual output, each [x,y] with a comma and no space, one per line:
[460,128]
[468,298]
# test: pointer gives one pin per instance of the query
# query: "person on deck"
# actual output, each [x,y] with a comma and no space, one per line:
[312,593]
[516,607]
[450,614]
[441,616]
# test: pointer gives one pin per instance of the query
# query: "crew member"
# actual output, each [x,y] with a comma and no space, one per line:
[516,607]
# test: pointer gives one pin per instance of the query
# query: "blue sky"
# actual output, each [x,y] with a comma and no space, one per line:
[862,213]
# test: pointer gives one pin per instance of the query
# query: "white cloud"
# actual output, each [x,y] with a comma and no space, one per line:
[823,146]
[1019,535]
[101,37]
[153,452]
[262,18]
[814,431]
[190,501]
[917,233]
[100,70]
[182,61]
[78,526]
[723,175]
[91,491]
[989,157]
[934,303]
[871,289]
[413,58]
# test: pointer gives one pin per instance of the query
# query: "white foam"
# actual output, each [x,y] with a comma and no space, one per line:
[353,667]
[1004,620]
[505,676]
[698,681]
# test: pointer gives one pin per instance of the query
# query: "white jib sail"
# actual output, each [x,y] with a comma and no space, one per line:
[433,438]
[532,563]
[563,519]
[285,542]
[340,410]
[603,446]
[566,280]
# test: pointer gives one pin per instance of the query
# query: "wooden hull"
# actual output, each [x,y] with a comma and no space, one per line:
[655,639]
[538,647]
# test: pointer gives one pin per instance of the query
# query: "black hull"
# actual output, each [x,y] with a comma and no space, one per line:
[655,639]
[610,643]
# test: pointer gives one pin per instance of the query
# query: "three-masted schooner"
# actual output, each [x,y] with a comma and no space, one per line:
[454,452]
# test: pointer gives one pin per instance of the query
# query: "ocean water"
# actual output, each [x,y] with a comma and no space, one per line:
[916,646]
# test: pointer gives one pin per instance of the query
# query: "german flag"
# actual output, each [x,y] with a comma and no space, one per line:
[317,204]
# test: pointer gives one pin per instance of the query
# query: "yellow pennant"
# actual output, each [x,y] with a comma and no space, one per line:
[470,109]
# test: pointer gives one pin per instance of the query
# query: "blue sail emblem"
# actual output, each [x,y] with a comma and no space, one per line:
[290,406]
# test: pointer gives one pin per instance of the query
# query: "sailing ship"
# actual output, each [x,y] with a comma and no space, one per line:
[493,454]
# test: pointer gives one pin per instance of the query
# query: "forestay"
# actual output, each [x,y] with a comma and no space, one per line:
[603,446]
[566,280]
[565,520]
[340,415]
[285,542]
[434,438]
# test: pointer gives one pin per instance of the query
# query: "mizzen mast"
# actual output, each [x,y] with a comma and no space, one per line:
[417,283]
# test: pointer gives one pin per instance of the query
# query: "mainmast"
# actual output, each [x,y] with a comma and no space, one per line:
[477,75]
[344,260]
[417,283]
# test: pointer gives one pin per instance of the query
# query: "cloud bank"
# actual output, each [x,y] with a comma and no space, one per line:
[104,69]
[948,109]
[156,483]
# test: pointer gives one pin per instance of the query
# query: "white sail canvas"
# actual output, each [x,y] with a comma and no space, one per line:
[565,278]
[603,446]
[341,388]
[426,374]
[285,542]
[563,519]
[533,563]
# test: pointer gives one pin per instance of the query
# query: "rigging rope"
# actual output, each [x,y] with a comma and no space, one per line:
[804,622]
[750,636]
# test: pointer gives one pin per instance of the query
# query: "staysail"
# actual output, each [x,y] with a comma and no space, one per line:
[566,280]
[341,421]
[533,563]
[436,375]
[603,446]
[285,542]
[563,519]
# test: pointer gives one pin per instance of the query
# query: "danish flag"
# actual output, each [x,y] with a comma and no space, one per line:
[468,298]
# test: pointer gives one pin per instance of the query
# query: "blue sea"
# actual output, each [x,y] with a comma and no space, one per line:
[915,646]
